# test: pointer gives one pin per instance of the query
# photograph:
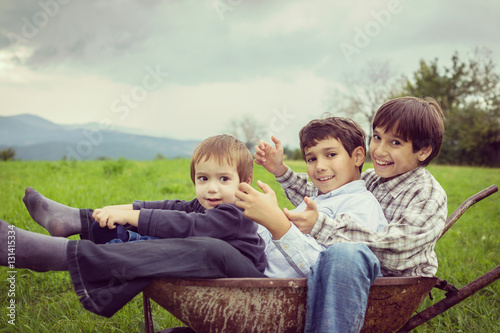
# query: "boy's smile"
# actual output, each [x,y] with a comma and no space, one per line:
[393,156]
[215,183]
[329,165]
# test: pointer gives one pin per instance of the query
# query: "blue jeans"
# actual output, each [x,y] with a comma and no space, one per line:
[118,235]
[129,236]
[338,287]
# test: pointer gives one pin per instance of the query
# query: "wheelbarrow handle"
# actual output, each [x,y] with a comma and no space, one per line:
[452,300]
[466,205]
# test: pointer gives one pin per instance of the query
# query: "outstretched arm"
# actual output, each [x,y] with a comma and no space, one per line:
[123,207]
[405,245]
[110,217]
[263,208]
[296,186]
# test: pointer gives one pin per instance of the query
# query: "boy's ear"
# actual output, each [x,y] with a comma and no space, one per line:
[359,156]
[249,180]
[424,153]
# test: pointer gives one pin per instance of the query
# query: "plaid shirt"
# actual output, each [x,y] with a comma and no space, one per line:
[415,207]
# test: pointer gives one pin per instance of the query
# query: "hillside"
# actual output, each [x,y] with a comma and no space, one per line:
[35,138]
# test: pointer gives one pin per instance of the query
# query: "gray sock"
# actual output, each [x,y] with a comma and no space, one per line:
[59,220]
[25,249]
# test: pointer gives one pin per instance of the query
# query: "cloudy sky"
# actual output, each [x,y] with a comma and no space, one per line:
[184,69]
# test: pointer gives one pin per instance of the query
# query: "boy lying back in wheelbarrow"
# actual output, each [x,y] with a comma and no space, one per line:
[407,135]
[197,237]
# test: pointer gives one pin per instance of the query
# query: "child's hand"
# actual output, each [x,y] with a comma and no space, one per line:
[270,157]
[263,208]
[304,220]
[109,217]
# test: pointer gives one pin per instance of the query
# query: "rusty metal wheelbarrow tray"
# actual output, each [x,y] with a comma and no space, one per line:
[279,305]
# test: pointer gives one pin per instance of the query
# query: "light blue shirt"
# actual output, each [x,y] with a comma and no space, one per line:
[294,254]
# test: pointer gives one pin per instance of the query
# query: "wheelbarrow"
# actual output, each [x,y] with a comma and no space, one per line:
[279,304]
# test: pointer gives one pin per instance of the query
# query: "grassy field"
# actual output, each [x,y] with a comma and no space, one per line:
[46,302]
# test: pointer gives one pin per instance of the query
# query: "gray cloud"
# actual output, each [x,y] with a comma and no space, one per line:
[118,39]
[257,57]
[121,38]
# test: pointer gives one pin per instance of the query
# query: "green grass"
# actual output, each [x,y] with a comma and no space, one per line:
[46,302]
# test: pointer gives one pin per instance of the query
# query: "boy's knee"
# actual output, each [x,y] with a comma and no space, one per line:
[211,248]
[223,257]
[350,257]
[341,251]
[215,251]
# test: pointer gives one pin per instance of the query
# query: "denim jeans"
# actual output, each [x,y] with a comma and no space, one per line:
[338,287]
[120,234]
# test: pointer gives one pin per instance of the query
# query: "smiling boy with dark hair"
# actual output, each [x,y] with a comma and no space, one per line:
[408,133]
[334,151]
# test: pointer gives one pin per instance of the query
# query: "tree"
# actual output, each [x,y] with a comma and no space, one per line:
[469,93]
[7,154]
[247,130]
[159,157]
[292,154]
[363,93]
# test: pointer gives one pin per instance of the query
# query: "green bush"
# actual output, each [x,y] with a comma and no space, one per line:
[114,167]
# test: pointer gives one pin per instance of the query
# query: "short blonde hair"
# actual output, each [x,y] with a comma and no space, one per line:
[224,149]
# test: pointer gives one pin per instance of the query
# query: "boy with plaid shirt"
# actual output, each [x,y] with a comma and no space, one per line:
[407,135]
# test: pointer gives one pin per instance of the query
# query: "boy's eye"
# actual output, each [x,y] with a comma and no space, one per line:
[376,137]
[332,155]
[224,178]
[395,142]
[202,178]
[310,159]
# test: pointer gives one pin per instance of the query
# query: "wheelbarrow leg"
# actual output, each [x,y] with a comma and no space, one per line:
[148,320]
[448,302]
[148,317]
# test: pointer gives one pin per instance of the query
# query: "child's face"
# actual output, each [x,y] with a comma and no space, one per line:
[329,165]
[393,156]
[215,183]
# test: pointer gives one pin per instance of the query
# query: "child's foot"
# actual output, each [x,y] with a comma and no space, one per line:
[59,220]
[25,249]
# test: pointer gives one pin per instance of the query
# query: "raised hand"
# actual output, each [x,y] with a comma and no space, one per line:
[270,157]
[263,208]
[304,220]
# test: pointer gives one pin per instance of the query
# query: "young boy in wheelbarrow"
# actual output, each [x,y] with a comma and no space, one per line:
[334,151]
[407,136]
[109,267]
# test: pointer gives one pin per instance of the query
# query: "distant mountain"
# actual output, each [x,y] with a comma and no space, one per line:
[35,138]
[123,129]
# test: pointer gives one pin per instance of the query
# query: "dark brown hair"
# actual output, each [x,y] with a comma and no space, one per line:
[224,149]
[345,130]
[418,120]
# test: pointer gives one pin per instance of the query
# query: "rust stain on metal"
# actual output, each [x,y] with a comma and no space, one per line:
[231,309]
[276,305]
